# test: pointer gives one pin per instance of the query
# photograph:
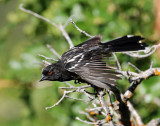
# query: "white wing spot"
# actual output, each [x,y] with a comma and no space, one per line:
[73,67]
[130,36]
[81,58]
[111,79]
[86,64]
[70,60]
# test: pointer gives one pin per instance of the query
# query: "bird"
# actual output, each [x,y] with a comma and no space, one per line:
[92,61]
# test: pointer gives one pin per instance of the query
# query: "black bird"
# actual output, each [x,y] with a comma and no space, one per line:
[92,61]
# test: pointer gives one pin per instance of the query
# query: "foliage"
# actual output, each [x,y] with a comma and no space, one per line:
[23,36]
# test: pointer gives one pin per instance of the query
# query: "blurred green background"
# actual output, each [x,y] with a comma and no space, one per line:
[23,37]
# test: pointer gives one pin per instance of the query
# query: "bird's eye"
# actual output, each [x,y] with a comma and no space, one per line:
[50,72]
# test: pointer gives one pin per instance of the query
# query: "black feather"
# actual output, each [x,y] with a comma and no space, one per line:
[92,61]
[125,43]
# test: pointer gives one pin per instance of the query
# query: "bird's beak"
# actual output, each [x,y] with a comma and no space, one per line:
[42,78]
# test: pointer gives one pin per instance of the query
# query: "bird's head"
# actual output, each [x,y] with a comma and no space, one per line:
[51,73]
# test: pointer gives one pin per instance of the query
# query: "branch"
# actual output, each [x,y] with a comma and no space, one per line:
[75,98]
[103,102]
[87,122]
[96,123]
[78,88]
[47,57]
[147,52]
[139,71]
[82,32]
[122,107]
[117,61]
[64,95]
[135,114]
[53,51]
[65,34]
[136,78]
[37,15]
[105,107]
[88,116]
[46,63]
[154,122]
[68,21]
[156,101]
[94,109]
[60,26]
[68,84]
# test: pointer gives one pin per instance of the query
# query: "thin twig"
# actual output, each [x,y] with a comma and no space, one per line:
[87,115]
[73,87]
[151,65]
[37,15]
[60,27]
[68,21]
[98,122]
[148,51]
[103,102]
[104,106]
[109,97]
[156,101]
[94,109]
[135,114]
[81,31]
[87,122]
[46,63]
[53,51]
[136,79]
[134,67]
[68,84]
[65,34]
[75,98]
[64,94]
[117,61]
[154,122]
[47,58]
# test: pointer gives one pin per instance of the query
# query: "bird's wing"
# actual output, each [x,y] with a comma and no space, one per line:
[98,70]
[92,42]
[75,53]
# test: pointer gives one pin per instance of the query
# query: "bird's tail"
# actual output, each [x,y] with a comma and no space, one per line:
[126,43]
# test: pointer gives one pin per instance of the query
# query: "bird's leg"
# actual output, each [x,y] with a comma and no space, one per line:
[97,90]
[95,93]
[75,81]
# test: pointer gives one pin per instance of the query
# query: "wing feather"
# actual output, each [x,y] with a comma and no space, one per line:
[98,70]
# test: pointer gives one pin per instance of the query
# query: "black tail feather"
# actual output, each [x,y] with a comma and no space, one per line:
[126,43]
